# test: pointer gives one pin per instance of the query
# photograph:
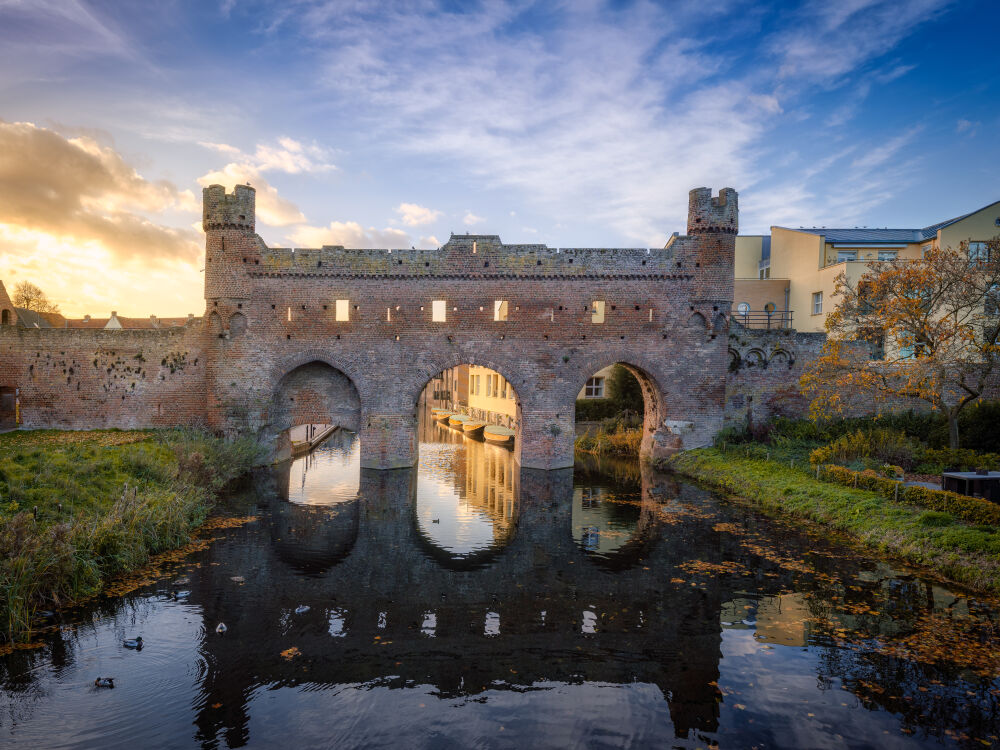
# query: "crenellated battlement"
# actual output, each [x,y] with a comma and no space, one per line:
[228,211]
[713,214]
[480,256]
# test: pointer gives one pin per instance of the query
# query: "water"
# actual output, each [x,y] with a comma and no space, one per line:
[469,604]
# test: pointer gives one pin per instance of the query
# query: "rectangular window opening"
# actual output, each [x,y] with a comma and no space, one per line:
[887,254]
[597,311]
[388,314]
[343,310]
[817,303]
[651,315]
[500,310]
[289,315]
[439,311]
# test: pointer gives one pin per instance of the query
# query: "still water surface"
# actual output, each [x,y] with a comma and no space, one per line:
[467,603]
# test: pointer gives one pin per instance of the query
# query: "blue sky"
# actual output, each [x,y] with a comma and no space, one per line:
[393,124]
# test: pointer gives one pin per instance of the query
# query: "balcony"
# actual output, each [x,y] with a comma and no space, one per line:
[763,319]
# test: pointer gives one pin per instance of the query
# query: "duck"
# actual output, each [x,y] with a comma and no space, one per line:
[135,643]
[302,609]
[221,628]
[104,682]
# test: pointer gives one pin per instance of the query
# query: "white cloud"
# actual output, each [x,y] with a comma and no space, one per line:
[349,234]
[470,219]
[966,126]
[272,209]
[429,243]
[414,215]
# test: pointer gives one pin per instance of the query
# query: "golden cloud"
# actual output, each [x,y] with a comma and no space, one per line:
[75,188]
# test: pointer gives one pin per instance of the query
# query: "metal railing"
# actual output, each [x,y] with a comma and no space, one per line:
[763,318]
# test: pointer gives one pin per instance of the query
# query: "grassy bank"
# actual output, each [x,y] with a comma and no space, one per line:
[620,435]
[78,508]
[965,553]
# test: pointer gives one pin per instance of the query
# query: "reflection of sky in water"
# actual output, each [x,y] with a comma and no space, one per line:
[329,475]
[449,520]
[603,520]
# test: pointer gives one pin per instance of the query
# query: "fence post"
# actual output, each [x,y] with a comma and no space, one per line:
[817,472]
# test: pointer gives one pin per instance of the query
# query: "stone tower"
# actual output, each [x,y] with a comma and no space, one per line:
[714,220]
[232,248]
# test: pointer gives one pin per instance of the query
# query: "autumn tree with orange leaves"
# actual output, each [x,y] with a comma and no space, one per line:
[932,325]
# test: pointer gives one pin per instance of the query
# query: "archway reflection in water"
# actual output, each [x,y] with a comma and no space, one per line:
[356,621]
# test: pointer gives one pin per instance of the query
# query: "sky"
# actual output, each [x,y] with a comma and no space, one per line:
[380,124]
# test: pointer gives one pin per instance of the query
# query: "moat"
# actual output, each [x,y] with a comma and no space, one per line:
[469,603]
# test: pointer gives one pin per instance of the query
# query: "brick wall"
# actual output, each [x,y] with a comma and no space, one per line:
[271,311]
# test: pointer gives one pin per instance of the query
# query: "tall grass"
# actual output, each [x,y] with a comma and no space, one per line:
[74,514]
[617,436]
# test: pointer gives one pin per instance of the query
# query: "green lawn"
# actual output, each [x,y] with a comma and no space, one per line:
[967,554]
[68,523]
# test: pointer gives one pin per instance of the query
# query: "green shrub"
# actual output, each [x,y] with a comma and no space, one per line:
[595,409]
[935,518]
[885,446]
[936,460]
[971,509]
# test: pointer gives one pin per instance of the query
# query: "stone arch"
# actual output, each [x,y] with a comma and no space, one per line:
[720,324]
[755,358]
[653,394]
[314,392]
[214,324]
[697,320]
[781,357]
[735,360]
[428,372]
[237,324]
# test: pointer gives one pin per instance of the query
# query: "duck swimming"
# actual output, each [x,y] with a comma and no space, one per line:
[221,628]
[135,643]
[104,682]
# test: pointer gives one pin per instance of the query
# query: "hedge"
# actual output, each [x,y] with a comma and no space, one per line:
[972,509]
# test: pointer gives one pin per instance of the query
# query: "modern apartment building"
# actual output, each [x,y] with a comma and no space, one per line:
[786,279]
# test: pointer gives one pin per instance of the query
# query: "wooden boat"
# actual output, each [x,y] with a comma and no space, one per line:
[473,427]
[496,434]
[441,416]
[457,420]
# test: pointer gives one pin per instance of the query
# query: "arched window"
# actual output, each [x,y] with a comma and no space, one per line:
[5,318]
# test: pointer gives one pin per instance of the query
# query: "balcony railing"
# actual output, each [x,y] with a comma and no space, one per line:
[763,318]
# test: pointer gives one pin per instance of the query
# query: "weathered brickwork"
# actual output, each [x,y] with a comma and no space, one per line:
[270,351]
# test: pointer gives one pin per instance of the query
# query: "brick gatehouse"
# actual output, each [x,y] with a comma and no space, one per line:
[351,337]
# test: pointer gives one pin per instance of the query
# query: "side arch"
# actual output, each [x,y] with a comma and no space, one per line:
[314,392]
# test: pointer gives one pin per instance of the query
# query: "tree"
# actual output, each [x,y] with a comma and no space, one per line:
[30,297]
[932,325]
[625,391]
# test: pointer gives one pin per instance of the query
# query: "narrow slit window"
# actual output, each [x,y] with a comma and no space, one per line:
[500,310]
[388,314]
[343,310]
[439,311]
[651,315]
[597,311]
[289,315]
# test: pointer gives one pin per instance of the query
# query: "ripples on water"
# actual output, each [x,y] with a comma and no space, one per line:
[468,603]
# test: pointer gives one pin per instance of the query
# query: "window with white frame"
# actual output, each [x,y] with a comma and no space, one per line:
[978,252]
[845,255]
[594,388]
[817,303]
[887,254]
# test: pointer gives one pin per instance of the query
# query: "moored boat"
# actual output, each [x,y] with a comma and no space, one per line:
[441,415]
[457,420]
[473,427]
[497,434]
